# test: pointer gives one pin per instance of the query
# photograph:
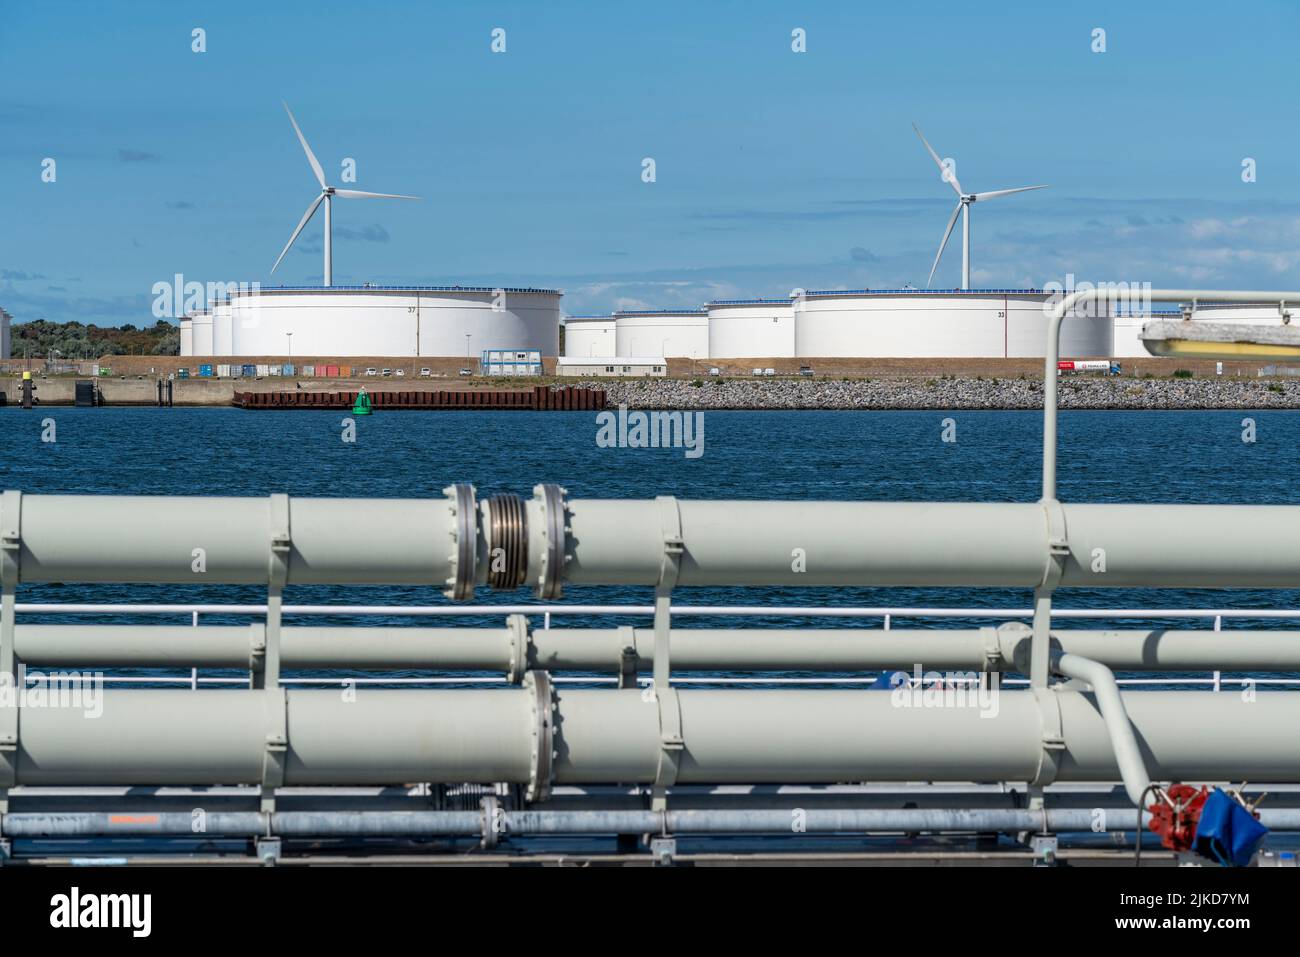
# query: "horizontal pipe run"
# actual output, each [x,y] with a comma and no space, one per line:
[376,736]
[396,824]
[601,649]
[615,542]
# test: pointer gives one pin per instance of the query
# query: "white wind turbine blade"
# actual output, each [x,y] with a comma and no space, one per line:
[994,194]
[306,216]
[311,157]
[948,175]
[362,194]
[943,245]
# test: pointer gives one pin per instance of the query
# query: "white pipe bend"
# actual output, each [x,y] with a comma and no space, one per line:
[1128,756]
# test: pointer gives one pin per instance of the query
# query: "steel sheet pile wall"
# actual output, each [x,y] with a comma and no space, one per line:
[537,735]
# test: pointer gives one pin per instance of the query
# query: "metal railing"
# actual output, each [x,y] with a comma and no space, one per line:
[887,615]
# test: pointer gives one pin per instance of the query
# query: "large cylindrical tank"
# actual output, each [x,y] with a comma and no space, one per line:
[744,328]
[202,333]
[447,321]
[911,323]
[670,333]
[589,337]
[187,336]
[222,333]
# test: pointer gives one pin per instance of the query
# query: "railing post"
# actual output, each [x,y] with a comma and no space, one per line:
[1218,675]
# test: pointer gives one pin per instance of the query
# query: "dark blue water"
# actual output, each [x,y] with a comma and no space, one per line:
[1105,457]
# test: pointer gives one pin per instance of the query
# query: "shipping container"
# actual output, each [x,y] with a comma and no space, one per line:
[235,371]
[263,369]
[205,370]
[332,371]
[308,370]
[250,371]
[287,369]
[223,371]
[273,369]
[345,371]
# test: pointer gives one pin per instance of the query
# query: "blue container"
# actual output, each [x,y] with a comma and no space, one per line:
[249,371]
[288,369]
[205,370]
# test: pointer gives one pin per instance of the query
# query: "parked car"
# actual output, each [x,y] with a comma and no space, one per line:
[426,372]
[806,370]
[466,371]
[387,373]
[372,372]
[758,372]
[401,373]
[715,371]
[769,372]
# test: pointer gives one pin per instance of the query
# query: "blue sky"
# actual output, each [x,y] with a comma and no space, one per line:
[774,169]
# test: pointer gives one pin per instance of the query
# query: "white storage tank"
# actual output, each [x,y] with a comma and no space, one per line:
[744,328]
[444,321]
[222,334]
[670,333]
[912,323]
[201,323]
[187,336]
[5,332]
[587,337]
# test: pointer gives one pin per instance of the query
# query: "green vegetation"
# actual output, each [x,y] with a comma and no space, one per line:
[74,340]
[1182,373]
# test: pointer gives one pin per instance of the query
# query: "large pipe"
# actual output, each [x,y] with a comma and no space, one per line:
[790,821]
[601,649]
[426,541]
[608,736]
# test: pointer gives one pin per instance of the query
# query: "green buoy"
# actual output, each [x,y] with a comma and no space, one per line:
[362,405]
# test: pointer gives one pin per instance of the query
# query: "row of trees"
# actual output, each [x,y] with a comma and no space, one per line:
[75,340]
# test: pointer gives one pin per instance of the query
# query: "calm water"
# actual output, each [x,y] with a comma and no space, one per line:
[1105,457]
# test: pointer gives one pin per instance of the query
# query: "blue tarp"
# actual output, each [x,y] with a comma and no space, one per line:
[1227,832]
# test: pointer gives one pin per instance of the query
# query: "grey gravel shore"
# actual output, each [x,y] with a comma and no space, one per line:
[951,393]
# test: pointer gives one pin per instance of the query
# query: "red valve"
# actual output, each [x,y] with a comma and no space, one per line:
[1175,819]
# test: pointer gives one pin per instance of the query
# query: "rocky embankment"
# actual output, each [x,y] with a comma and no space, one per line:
[1081,392]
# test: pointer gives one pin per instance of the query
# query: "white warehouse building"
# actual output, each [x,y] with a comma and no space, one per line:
[916,323]
[670,333]
[589,337]
[375,321]
[751,328]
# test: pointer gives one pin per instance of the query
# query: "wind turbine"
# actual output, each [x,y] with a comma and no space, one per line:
[964,201]
[327,194]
